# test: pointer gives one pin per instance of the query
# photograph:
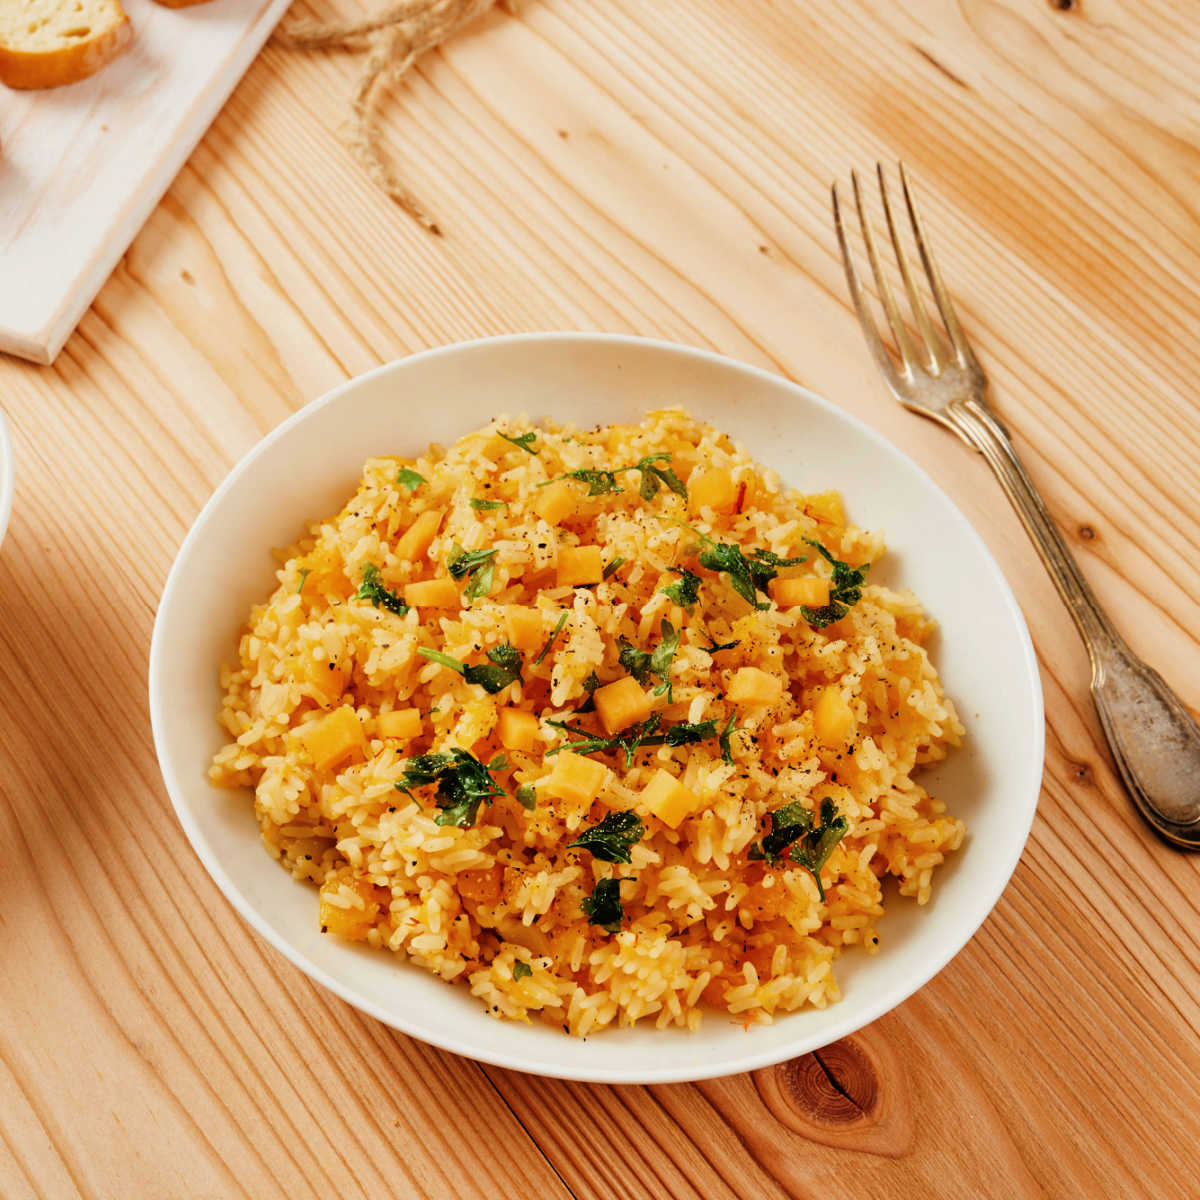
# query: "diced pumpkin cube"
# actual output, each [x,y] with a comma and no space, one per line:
[418,537]
[833,720]
[342,916]
[433,593]
[326,679]
[809,590]
[481,886]
[524,627]
[576,778]
[621,704]
[404,724]
[333,739]
[579,566]
[517,729]
[749,685]
[668,799]
[556,501]
[713,488]
[826,506]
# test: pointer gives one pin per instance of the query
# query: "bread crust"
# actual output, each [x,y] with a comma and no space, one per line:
[28,70]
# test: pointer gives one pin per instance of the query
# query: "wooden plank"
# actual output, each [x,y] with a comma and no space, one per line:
[661,168]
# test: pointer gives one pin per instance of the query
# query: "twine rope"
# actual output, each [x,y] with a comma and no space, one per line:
[394,37]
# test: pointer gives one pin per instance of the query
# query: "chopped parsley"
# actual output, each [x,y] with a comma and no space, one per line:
[641,664]
[551,639]
[612,839]
[725,741]
[845,590]
[504,667]
[749,573]
[408,478]
[521,970]
[603,907]
[600,483]
[603,481]
[372,588]
[685,591]
[486,505]
[686,732]
[629,741]
[794,836]
[591,685]
[524,440]
[527,797]
[715,647]
[463,783]
[477,565]
[613,567]
[303,576]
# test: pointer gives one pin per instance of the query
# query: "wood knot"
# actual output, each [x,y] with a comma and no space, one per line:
[1087,532]
[1064,5]
[836,1085]
[1083,773]
[837,1096]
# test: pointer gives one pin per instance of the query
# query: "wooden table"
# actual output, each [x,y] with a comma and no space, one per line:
[659,167]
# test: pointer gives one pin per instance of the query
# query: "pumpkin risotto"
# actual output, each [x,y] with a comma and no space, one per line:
[606,725]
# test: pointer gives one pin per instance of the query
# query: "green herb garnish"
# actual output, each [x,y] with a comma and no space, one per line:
[810,846]
[527,797]
[600,483]
[503,669]
[373,589]
[591,685]
[715,647]
[725,741]
[486,505]
[645,733]
[603,481]
[477,565]
[303,576]
[408,478]
[603,907]
[641,664]
[551,639]
[463,784]
[749,573]
[654,477]
[686,590]
[521,970]
[686,732]
[612,838]
[845,590]
[613,567]
[523,440]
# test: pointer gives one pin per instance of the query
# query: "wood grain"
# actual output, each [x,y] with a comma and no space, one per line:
[658,167]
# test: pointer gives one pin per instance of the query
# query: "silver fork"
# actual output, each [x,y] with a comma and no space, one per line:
[1154,740]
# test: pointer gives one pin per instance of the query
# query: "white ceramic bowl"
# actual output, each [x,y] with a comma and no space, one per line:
[6,477]
[311,463]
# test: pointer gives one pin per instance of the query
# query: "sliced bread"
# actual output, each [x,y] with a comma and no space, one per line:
[46,43]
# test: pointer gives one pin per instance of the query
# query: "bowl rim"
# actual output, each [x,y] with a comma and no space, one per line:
[7,473]
[857,1018]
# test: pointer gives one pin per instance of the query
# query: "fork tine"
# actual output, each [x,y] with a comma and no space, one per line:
[870,332]
[933,340]
[945,306]
[908,353]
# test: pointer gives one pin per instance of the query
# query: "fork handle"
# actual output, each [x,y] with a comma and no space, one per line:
[983,430]
[1155,741]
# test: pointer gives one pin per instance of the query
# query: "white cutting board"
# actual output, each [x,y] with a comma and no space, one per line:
[82,167]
